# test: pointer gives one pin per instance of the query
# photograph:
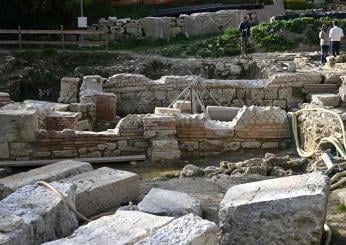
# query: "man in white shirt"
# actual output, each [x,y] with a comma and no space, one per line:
[335,35]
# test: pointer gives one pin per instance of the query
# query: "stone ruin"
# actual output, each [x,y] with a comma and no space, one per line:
[155,28]
[86,124]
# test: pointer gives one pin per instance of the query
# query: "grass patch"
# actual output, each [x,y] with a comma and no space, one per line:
[341,208]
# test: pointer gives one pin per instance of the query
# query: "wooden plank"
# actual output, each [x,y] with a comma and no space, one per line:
[9,42]
[71,32]
[5,31]
[95,160]
[320,88]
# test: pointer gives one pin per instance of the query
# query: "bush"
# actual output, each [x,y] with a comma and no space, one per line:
[48,52]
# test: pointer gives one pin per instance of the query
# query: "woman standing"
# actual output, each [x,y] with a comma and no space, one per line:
[325,43]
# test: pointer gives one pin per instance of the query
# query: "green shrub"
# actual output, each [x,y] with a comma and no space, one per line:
[49,52]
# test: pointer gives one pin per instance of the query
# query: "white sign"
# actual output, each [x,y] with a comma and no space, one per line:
[82,22]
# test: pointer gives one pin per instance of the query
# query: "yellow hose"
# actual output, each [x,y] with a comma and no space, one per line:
[331,139]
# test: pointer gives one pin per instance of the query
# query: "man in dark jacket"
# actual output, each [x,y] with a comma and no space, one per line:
[244,29]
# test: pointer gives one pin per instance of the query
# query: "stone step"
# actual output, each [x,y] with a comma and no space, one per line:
[104,189]
[326,99]
[123,227]
[188,229]
[320,88]
[288,209]
[34,214]
[53,172]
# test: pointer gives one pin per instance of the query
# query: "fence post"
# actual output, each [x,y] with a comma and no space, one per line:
[62,37]
[20,38]
[107,40]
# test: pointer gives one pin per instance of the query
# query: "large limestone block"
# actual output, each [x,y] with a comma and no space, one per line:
[48,173]
[189,229]
[169,203]
[325,99]
[34,214]
[124,227]
[68,90]
[104,189]
[287,210]
[156,28]
[297,79]
[19,126]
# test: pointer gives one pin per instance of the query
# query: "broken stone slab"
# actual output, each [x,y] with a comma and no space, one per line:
[52,172]
[189,229]
[169,203]
[103,189]
[191,170]
[92,83]
[123,227]
[325,99]
[284,210]
[37,215]
[184,106]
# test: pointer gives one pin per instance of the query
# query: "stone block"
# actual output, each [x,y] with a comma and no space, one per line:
[231,146]
[123,227]
[251,145]
[37,215]
[68,90]
[104,189]
[48,173]
[169,203]
[342,93]
[189,229]
[287,210]
[92,83]
[4,150]
[165,149]
[166,110]
[270,145]
[18,125]
[280,103]
[325,99]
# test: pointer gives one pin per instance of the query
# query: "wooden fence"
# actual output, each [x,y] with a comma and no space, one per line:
[80,34]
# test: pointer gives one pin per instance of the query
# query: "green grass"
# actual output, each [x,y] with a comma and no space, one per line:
[342,208]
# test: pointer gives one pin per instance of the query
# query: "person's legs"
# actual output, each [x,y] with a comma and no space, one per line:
[337,48]
[243,46]
[325,53]
[334,48]
[322,54]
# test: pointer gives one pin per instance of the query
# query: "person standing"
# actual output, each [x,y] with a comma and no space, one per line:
[335,35]
[325,43]
[244,29]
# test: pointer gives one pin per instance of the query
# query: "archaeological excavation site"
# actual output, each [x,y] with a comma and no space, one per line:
[125,147]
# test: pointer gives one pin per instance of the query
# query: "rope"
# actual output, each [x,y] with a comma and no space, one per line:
[69,205]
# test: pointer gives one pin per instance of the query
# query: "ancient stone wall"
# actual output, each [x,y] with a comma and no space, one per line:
[187,25]
[160,137]
[139,94]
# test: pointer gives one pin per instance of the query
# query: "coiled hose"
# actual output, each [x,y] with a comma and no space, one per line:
[331,139]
